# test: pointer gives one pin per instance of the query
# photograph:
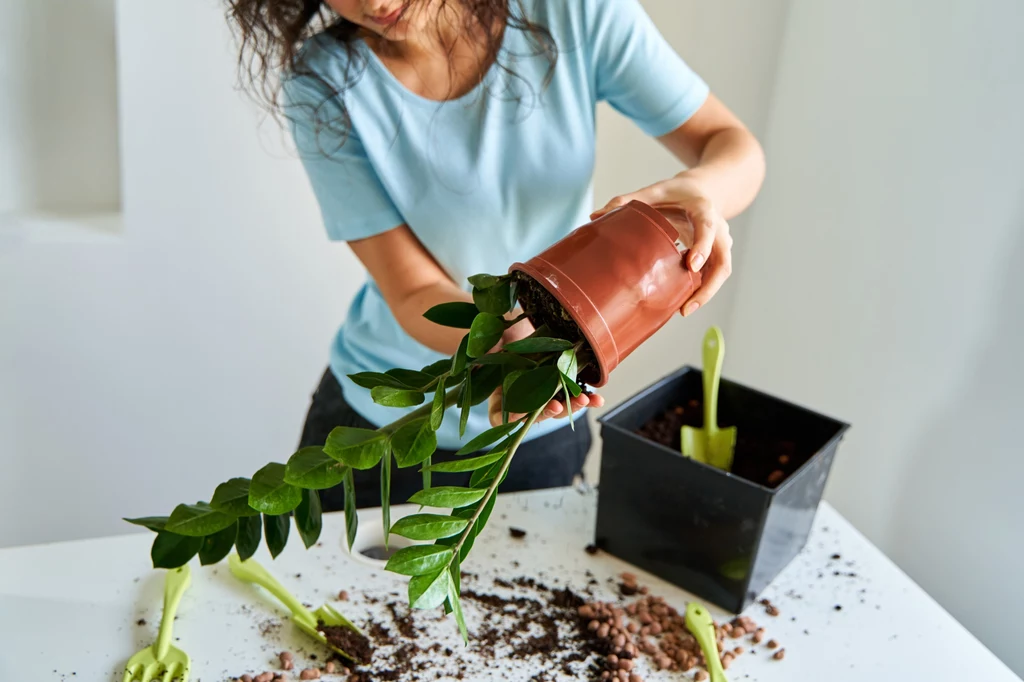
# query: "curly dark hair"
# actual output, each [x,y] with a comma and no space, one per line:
[271,34]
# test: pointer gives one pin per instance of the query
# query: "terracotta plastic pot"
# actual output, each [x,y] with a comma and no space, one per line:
[620,277]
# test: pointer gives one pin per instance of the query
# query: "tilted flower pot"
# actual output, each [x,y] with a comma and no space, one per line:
[620,278]
[721,536]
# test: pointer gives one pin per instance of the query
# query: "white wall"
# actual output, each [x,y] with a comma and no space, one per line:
[58,107]
[137,372]
[881,281]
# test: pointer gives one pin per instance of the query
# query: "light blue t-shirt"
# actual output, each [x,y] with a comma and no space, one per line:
[485,180]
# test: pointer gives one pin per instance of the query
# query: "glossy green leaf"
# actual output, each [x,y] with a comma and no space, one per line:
[447,496]
[309,518]
[533,389]
[481,478]
[275,530]
[413,442]
[492,435]
[458,314]
[484,381]
[470,464]
[351,515]
[496,299]
[247,539]
[466,403]
[483,281]
[538,344]
[171,550]
[419,560]
[358,448]
[385,496]
[396,397]
[510,377]
[567,364]
[215,547]
[428,526]
[567,401]
[572,386]
[436,369]
[505,359]
[478,526]
[427,475]
[484,334]
[268,492]
[154,523]
[456,605]
[197,520]
[374,379]
[429,591]
[312,468]
[437,408]
[411,379]
[232,498]
[459,359]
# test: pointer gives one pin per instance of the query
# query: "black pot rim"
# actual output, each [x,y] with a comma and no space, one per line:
[606,422]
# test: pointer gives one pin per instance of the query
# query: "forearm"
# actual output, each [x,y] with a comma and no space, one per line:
[409,313]
[729,172]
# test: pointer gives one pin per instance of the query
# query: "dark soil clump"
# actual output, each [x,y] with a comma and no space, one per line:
[348,640]
[758,457]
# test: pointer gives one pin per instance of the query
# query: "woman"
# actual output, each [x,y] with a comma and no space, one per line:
[446,138]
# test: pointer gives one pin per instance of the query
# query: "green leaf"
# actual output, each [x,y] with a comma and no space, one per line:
[275,530]
[426,474]
[216,547]
[247,540]
[313,469]
[232,498]
[568,400]
[197,520]
[437,409]
[309,518]
[268,493]
[471,464]
[351,515]
[429,591]
[385,495]
[483,281]
[447,496]
[396,397]
[538,344]
[567,364]
[533,389]
[358,448]
[411,379]
[436,369]
[481,522]
[374,379]
[481,478]
[154,523]
[419,560]
[488,437]
[496,299]
[428,526]
[505,384]
[458,314]
[466,401]
[413,442]
[459,359]
[484,334]
[484,381]
[505,359]
[171,550]
[572,386]
[456,603]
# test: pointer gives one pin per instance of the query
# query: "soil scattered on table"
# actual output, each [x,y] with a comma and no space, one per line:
[757,457]
[517,533]
[348,640]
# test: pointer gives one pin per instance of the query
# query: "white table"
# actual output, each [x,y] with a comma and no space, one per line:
[69,611]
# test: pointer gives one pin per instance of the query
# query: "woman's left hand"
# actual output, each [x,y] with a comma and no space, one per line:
[554,410]
[710,243]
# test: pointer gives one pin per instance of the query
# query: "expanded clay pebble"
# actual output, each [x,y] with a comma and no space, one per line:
[310,674]
[246,678]
[772,644]
[779,655]
[264,677]
[758,635]
[738,650]
[343,596]
[287,660]
[700,676]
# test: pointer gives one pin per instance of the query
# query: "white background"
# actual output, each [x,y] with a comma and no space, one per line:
[877,276]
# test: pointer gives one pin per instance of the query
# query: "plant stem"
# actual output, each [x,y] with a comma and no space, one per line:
[520,434]
[451,398]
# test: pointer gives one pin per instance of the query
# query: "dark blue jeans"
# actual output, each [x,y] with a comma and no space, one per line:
[548,461]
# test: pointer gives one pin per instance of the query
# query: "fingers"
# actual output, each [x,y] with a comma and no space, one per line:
[705,223]
[714,275]
[554,410]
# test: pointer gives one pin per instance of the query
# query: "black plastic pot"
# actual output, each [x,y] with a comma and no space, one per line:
[719,536]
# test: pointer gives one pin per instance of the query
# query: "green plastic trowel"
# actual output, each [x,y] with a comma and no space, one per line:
[700,625]
[711,445]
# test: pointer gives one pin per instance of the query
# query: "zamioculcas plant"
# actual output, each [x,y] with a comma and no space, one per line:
[531,372]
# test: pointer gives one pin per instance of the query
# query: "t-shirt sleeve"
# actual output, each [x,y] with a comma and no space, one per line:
[635,69]
[353,202]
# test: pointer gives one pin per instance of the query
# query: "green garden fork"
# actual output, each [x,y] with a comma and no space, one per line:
[161,660]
